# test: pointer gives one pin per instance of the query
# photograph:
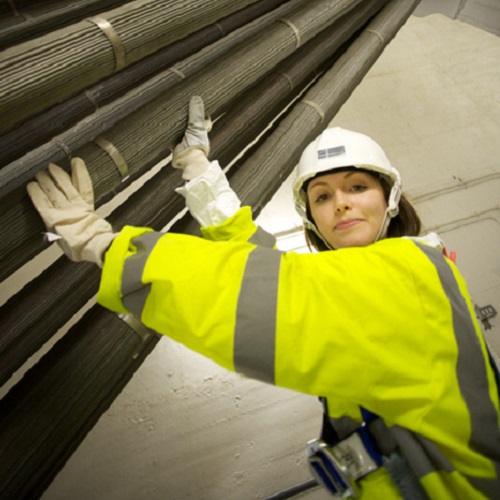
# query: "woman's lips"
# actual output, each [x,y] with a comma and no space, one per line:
[347,224]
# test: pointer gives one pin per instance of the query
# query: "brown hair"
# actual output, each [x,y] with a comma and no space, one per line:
[406,223]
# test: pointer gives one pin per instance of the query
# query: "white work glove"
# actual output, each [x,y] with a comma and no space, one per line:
[191,153]
[66,205]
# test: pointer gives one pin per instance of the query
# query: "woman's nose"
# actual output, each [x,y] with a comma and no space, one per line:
[342,204]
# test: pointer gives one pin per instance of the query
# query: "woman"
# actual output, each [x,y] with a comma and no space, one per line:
[382,328]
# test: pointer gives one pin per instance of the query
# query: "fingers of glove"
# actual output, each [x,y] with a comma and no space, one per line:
[82,181]
[196,115]
[198,125]
[64,183]
[48,185]
[39,198]
[195,135]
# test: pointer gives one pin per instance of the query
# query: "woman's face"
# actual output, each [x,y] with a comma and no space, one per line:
[348,207]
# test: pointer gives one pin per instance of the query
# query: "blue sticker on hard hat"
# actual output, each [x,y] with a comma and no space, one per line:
[330,152]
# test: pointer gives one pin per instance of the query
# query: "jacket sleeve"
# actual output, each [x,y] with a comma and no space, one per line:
[308,322]
[239,227]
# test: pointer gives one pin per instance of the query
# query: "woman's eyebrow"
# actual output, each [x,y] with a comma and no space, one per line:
[314,183]
[318,183]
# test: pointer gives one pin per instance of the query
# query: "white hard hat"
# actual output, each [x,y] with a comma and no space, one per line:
[337,148]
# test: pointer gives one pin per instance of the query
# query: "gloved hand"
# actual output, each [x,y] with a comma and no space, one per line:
[191,153]
[66,206]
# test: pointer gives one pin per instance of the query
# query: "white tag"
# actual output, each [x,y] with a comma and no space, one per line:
[50,237]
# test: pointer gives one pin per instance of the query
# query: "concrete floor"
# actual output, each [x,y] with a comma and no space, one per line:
[184,428]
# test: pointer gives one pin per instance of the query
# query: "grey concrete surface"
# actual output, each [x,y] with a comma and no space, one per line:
[484,14]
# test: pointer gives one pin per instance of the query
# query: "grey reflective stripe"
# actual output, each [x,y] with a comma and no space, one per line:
[255,332]
[263,238]
[422,455]
[471,375]
[134,291]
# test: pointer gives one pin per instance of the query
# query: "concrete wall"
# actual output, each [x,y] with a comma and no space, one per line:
[484,14]
[184,428]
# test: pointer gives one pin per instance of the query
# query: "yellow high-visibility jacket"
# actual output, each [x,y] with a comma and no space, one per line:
[389,327]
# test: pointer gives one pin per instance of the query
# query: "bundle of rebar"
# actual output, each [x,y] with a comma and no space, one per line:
[147,121]
[39,73]
[40,129]
[264,102]
[22,20]
[292,67]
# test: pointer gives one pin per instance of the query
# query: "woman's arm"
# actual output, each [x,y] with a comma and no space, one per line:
[209,197]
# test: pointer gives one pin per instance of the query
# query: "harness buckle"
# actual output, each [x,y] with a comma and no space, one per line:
[338,467]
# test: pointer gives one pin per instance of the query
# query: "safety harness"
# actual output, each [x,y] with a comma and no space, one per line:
[347,452]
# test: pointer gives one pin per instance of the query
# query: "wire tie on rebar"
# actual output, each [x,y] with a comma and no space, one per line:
[62,145]
[315,106]
[377,34]
[115,155]
[91,97]
[288,78]
[293,27]
[178,72]
[136,325]
[113,37]
[221,29]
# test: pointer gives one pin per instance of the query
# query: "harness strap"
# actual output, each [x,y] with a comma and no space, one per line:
[386,447]
[404,478]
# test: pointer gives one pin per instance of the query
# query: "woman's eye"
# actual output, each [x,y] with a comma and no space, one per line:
[321,198]
[358,187]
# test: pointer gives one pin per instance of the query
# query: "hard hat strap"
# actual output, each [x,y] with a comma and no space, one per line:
[392,209]
[384,225]
[310,225]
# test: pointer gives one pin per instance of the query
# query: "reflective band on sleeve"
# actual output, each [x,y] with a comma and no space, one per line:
[471,375]
[263,238]
[255,332]
[134,291]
